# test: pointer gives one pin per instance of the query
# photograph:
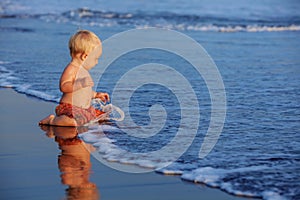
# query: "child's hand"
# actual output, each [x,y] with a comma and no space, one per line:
[103,96]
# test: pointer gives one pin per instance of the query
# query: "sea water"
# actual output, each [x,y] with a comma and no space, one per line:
[255,45]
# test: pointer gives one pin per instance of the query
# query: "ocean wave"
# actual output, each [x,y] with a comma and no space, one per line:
[168,20]
[111,152]
[11,6]
[6,76]
[26,89]
[170,16]
[224,29]
[219,178]
[7,79]
[16,29]
[214,178]
[87,13]
[242,181]
[182,22]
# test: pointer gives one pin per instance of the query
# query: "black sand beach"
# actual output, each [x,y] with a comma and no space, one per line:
[33,167]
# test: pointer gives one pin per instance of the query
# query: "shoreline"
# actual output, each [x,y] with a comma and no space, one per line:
[30,169]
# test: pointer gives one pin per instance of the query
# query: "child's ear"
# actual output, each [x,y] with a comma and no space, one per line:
[83,56]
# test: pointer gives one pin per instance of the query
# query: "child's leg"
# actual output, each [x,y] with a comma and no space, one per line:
[58,121]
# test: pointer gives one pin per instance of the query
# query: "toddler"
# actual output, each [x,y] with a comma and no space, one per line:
[76,83]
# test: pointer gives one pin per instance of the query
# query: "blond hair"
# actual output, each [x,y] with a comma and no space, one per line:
[83,41]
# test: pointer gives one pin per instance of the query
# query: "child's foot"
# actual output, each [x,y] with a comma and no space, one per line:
[47,121]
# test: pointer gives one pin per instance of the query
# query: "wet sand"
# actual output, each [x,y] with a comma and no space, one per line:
[54,164]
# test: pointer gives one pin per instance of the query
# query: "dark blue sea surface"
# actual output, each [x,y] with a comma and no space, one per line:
[255,45]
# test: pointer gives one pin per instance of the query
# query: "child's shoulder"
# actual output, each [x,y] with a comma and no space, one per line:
[71,68]
[70,71]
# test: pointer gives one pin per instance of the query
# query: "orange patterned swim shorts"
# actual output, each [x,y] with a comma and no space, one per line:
[81,115]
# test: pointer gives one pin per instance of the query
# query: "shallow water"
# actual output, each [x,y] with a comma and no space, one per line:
[255,47]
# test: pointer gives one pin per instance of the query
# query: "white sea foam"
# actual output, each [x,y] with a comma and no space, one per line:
[175,21]
[270,195]
[224,29]
[214,177]
[6,76]
[26,89]
[111,152]
[169,171]
[12,6]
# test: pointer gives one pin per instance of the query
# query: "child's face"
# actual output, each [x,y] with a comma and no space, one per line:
[93,57]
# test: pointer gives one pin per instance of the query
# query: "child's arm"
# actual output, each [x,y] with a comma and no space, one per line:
[69,83]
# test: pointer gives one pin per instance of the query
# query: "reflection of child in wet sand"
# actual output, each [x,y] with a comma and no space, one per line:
[76,83]
[74,163]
